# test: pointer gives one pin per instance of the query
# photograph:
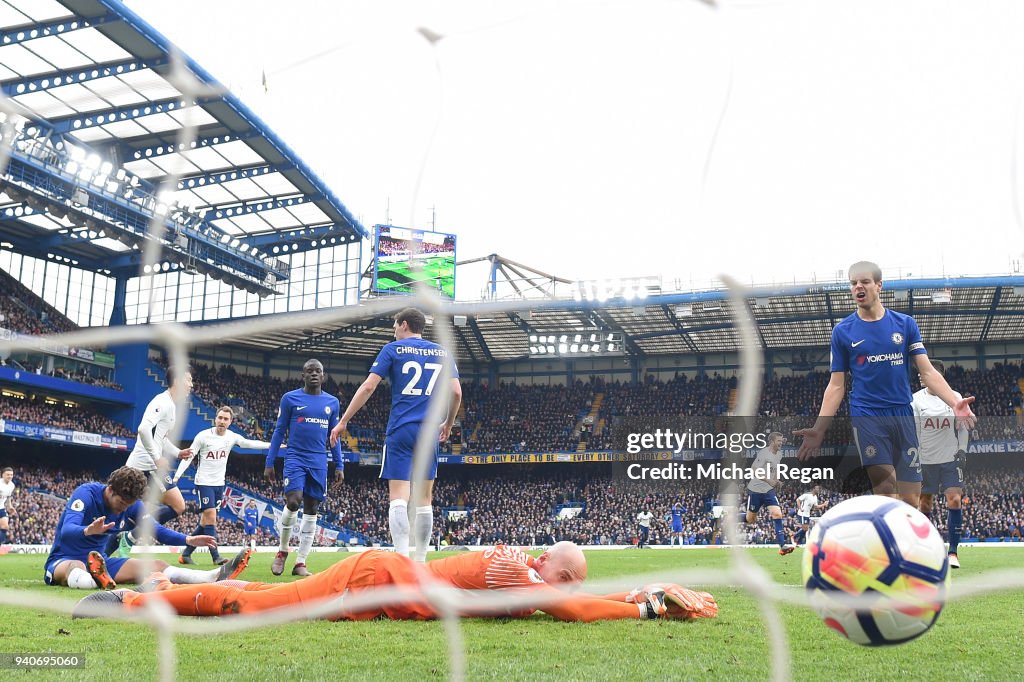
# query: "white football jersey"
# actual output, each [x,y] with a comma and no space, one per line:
[806,503]
[158,420]
[6,492]
[765,458]
[644,519]
[211,452]
[937,435]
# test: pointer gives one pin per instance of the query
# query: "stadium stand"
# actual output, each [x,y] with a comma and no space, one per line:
[80,418]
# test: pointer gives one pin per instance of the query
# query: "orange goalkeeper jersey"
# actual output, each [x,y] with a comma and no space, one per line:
[507,568]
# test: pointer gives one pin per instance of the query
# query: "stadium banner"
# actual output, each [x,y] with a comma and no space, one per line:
[61,435]
[550,457]
[116,442]
[41,432]
[83,438]
[95,357]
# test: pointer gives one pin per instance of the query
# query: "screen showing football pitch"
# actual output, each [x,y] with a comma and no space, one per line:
[403,257]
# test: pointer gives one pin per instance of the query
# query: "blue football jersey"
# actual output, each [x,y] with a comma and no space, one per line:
[307,420]
[85,506]
[877,354]
[251,514]
[413,367]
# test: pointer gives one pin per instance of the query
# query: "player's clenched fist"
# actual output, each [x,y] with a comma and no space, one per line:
[650,600]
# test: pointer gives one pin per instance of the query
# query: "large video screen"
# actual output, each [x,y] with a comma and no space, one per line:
[403,257]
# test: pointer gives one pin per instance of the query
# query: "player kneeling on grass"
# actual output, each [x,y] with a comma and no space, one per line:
[548,579]
[97,511]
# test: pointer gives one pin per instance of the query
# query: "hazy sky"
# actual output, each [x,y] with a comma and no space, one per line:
[596,139]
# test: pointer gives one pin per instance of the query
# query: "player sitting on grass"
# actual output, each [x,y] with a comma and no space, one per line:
[549,577]
[96,511]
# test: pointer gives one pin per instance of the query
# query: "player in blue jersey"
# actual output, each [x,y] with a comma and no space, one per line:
[676,514]
[413,365]
[94,512]
[306,417]
[252,517]
[875,345]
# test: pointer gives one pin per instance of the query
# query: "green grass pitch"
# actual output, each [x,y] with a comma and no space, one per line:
[974,639]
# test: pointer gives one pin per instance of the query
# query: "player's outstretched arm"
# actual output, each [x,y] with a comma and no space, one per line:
[359,399]
[936,383]
[830,402]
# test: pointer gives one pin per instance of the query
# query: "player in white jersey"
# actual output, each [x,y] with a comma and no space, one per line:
[151,447]
[761,491]
[943,451]
[644,520]
[6,493]
[806,505]
[210,450]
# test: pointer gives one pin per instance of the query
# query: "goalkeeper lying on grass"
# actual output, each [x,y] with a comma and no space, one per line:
[548,580]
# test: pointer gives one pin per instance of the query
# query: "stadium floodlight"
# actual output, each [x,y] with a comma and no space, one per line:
[626,288]
[576,345]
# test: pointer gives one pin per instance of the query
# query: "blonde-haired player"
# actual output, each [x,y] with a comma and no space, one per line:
[210,449]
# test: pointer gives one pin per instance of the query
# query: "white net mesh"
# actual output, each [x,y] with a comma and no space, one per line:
[178,340]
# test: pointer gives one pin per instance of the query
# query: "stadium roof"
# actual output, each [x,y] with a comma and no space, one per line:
[948,311]
[96,74]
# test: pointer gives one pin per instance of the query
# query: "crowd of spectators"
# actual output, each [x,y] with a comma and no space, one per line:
[81,418]
[520,505]
[509,417]
[30,314]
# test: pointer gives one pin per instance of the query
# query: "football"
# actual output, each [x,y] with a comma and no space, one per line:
[885,551]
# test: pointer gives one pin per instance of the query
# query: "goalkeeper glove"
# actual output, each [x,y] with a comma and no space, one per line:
[688,604]
[650,600]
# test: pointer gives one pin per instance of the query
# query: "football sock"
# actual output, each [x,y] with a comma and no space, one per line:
[424,524]
[190,577]
[955,520]
[212,532]
[800,536]
[287,521]
[3,537]
[80,579]
[398,524]
[780,537]
[189,548]
[307,531]
[165,514]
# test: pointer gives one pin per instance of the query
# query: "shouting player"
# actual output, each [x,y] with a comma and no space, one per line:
[761,491]
[210,449]
[548,579]
[875,345]
[943,453]
[305,417]
[151,447]
[95,511]
[412,365]
[6,493]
